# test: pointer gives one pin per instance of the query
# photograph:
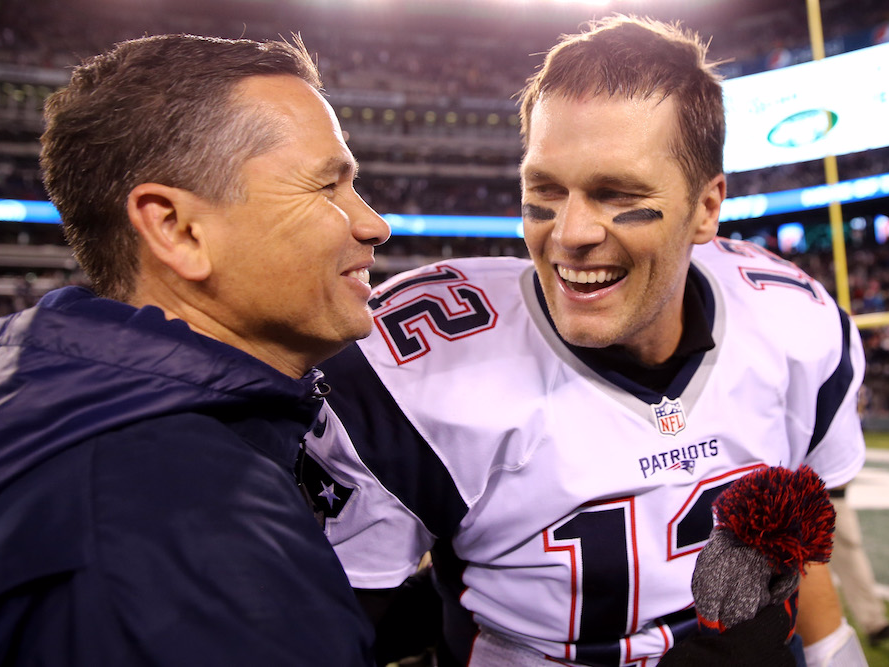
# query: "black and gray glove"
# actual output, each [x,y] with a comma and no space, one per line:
[769,524]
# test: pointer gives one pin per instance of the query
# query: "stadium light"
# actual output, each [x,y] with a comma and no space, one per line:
[734,209]
[578,4]
[589,3]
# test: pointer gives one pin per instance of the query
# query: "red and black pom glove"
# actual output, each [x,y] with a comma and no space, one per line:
[769,524]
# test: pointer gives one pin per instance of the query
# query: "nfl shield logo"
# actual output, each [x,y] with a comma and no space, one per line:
[669,416]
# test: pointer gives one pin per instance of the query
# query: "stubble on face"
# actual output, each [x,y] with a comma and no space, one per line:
[605,196]
[651,324]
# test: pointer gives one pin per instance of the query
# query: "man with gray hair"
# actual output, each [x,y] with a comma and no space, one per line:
[151,430]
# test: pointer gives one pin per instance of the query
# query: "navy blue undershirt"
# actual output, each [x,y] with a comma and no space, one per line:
[696,339]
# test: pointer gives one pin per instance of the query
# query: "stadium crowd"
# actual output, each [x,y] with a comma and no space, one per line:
[427,100]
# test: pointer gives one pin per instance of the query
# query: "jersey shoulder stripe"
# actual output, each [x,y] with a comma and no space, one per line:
[389,445]
[835,389]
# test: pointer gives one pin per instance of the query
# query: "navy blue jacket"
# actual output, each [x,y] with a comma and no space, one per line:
[149,513]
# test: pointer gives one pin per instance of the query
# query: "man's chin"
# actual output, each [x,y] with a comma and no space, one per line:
[362,329]
[581,328]
[581,336]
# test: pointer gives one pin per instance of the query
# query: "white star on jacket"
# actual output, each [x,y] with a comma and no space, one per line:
[328,493]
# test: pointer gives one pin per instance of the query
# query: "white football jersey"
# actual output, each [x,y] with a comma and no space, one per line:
[566,503]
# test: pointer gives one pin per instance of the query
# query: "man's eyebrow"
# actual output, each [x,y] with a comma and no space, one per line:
[593,184]
[337,166]
[534,174]
[619,183]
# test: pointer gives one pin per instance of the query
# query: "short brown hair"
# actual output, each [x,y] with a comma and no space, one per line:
[157,109]
[640,57]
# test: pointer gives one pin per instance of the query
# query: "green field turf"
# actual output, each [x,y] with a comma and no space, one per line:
[875,526]
[877,440]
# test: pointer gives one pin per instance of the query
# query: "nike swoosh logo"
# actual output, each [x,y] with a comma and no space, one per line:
[320,427]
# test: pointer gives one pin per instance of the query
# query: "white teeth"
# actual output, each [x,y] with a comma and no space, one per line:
[360,274]
[600,276]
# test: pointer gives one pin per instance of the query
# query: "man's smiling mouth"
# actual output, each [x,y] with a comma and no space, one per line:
[589,281]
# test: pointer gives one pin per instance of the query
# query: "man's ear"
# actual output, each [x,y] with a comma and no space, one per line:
[709,203]
[165,219]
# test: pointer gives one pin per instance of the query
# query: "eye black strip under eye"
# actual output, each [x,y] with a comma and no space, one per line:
[537,212]
[639,215]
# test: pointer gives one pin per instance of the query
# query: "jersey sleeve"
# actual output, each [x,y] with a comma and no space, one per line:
[835,448]
[401,498]
[786,327]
